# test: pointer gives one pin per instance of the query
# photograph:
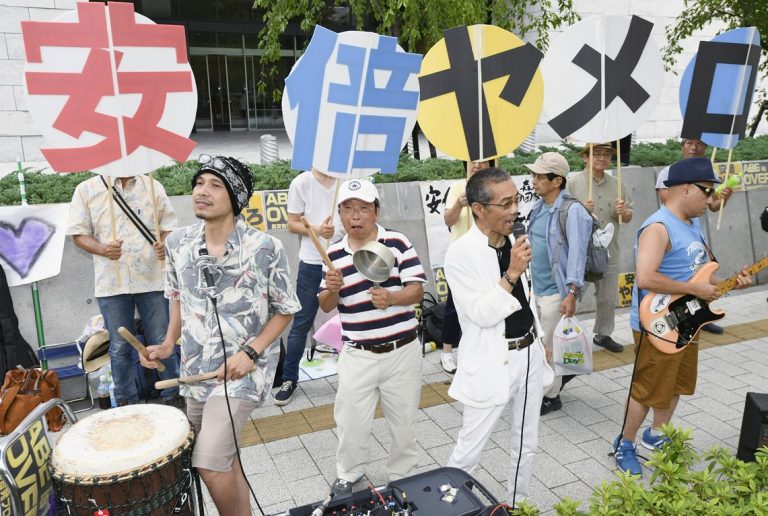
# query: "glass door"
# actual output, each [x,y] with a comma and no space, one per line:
[204,116]
[237,88]
[217,75]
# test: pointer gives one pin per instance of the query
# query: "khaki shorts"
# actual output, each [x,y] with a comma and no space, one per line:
[659,376]
[214,445]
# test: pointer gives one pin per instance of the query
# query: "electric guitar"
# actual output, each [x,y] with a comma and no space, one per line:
[672,321]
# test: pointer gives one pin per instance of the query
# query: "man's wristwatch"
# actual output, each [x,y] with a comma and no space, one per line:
[574,291]
[252,353]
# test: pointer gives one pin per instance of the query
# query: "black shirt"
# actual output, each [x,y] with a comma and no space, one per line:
[518,323]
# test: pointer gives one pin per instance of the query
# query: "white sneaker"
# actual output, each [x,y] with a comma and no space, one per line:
[448,362]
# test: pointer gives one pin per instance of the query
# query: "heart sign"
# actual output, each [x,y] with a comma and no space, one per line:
[22,246]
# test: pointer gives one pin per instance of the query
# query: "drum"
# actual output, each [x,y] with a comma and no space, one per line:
[135,459]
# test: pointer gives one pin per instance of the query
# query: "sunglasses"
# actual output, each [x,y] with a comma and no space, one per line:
[708,191]
[215,163]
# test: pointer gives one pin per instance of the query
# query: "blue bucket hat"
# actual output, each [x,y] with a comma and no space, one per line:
[691,170]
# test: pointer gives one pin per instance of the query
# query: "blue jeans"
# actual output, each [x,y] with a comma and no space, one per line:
[307,286]
[118,311]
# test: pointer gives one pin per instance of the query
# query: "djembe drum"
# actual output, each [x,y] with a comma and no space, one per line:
[130,460]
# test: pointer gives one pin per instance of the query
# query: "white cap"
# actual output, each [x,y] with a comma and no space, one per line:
[358,189]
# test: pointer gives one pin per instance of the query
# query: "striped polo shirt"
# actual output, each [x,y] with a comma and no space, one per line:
[361,322]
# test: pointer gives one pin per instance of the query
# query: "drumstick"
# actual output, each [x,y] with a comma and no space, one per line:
[138,346]
[317,244]
[186,380]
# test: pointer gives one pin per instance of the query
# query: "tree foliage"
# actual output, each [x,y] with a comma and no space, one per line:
[418,24]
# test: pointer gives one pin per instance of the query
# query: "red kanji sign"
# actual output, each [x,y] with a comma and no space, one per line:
[111,91]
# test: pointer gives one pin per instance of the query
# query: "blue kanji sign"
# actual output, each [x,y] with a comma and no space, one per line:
[350,103]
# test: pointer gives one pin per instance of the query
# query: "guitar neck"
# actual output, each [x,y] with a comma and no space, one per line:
[730,283]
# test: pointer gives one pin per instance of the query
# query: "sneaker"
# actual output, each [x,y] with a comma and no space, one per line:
[448,361]
[341,487]
[283,396]
[713,328]
[653,442]
[608,343]
[625,453]
[550,404]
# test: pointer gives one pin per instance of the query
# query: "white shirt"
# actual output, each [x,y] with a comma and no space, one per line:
[308,197]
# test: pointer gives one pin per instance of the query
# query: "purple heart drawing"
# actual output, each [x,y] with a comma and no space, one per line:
[23,246]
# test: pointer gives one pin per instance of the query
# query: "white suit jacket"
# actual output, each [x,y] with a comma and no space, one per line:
[472,270]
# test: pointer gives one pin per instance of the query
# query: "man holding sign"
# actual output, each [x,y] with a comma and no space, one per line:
[127,269]
[310,195]
[607,205]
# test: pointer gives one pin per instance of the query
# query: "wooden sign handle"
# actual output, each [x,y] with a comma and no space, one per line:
[138,346]
[317,244]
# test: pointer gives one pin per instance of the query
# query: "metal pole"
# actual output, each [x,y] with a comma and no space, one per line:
[35,290]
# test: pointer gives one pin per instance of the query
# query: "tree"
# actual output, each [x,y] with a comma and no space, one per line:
[418,24]
[697,14]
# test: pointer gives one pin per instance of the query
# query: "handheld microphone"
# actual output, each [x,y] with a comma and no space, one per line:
[518,229]
[206,271]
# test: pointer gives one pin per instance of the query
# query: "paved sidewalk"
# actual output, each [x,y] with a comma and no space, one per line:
[574,442]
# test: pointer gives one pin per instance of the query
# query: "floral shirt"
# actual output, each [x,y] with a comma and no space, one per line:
[140,270]
[251,284]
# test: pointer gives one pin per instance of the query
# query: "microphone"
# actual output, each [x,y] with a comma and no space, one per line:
[518,229]
[206,271]
[320,509]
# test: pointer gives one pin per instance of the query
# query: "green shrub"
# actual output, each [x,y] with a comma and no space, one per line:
[52,188]
[725,486]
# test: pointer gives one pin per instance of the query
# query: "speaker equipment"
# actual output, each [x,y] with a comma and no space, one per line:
[754,426]
[441,492]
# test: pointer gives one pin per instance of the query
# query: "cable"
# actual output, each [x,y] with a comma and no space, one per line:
[209,281]
[229,409]
[522,427]
[643,332]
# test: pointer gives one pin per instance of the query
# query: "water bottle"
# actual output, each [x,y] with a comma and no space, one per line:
[102,392]
[429,347]
[112,400]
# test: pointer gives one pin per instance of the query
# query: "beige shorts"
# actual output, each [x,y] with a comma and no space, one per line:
[214,445]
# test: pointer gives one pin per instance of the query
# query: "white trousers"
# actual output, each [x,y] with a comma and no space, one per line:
[549,315]
[366,378]
[479,423]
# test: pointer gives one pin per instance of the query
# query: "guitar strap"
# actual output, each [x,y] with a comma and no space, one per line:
[132,216]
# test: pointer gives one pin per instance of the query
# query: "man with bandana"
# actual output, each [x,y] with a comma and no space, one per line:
[231,298]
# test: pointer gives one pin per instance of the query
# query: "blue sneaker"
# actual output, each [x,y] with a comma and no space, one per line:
[626,456]
[653,442]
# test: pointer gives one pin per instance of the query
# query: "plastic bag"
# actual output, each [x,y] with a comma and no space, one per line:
[571,347]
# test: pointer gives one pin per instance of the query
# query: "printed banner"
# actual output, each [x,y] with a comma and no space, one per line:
[26,459]
[433,197]
[349,103]
[111,91]
[754,174]
[626,283]
[32,241]
[267,210]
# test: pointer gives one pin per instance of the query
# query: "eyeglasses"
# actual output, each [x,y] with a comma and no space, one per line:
[506,204]
[362,210]
[708,191]
[602,155]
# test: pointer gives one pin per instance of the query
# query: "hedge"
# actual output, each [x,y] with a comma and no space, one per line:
[54,188]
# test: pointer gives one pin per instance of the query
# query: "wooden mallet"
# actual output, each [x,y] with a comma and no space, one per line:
[138,346]
[317,244]
[187,380]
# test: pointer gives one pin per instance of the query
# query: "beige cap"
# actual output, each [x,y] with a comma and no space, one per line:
[585,151]
[550,163]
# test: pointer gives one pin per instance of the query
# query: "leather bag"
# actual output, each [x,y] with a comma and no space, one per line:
[22,391]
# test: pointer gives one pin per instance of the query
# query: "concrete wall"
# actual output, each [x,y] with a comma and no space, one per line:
[67,300]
